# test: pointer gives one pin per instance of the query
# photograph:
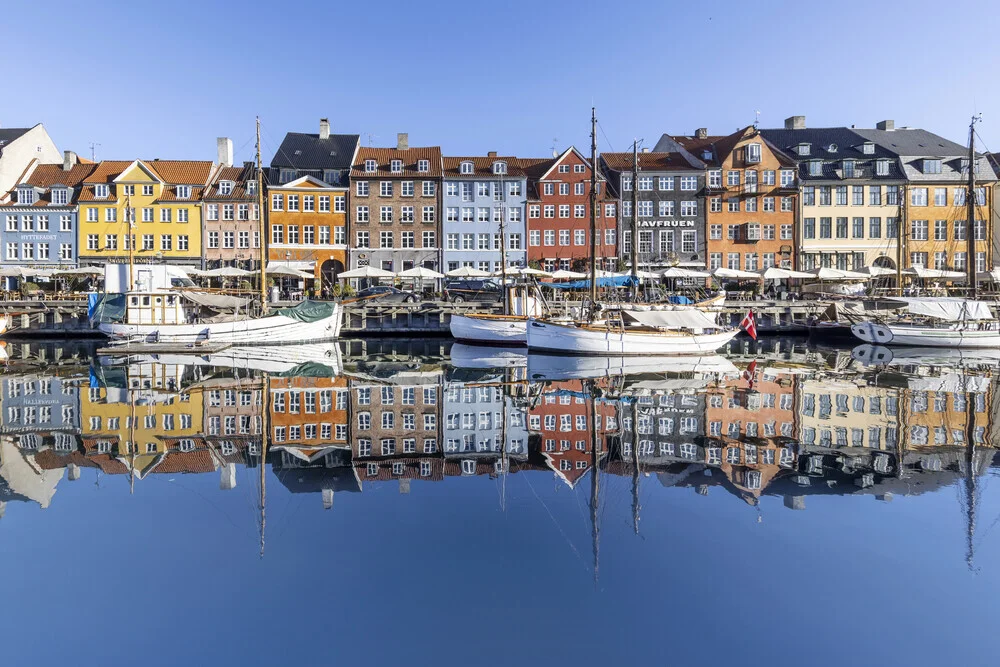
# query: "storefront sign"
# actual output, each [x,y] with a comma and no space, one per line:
[666,223]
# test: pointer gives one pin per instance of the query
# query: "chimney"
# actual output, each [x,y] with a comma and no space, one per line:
[795,123]
[795,502]
[491,154]
[73,471]
[404,486]
[224,147]
[327,499]
[227,477]
[885,125]
[701,133]
[402,141]
[324,128]
[69,159]
[645,149]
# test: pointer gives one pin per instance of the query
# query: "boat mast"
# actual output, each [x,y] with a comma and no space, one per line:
[265,393]
[595,460]
[593,213]
[130,240]
[900,227]
[970,208]
[635,466]
[503,252]
[635,220]
[970,482]
[260,224]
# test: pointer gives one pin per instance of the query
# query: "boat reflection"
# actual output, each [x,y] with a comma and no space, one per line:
[813,422]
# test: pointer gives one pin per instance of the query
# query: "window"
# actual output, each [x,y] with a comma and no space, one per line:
[166,242]
[753,152]
[940,196]
[875,195]
[385,239]
[786,203]
[918,197]
[918,230]
[932,166]
[715,204]
[841,228]
[858,195]
[875,228]
[787,178]
[579,211]
[940,230]
[689,208]
[768,204]
[824,195]
[858,228]
[809,228]
[715,232]
[406,188]
[733,205]
[396,166]
[808,195]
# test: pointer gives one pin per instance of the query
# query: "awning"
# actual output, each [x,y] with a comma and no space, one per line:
[950,310]
[677,318]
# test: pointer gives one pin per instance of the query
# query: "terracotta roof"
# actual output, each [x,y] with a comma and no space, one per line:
[647,161]
[185,172]
[410,156]
[239,176]
[482,167]
[107,171]
[411,469]
[169,193]
[534,167]
[198,460]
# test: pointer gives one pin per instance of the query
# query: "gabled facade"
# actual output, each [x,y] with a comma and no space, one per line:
[935,221]
[20,148]
[231,216]
[40,218]
[159,200]
[671,190]
[480,193]
[308,420]
[849,190]
[559,214]
[751,193]
[395,207]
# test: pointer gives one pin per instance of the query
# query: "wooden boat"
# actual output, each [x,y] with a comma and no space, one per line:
[935,322]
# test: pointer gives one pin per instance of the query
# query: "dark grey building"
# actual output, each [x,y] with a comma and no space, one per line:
[671,211]
[324,156]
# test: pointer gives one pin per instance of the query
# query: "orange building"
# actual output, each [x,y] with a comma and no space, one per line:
[308,419]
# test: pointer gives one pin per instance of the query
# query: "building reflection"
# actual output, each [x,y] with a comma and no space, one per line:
[813,423]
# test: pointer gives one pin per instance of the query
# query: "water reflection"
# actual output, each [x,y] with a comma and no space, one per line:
[813,421]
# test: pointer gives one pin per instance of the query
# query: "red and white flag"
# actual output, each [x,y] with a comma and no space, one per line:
[750,324]
[750,374]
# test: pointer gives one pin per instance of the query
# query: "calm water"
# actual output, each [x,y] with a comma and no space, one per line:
[430,504]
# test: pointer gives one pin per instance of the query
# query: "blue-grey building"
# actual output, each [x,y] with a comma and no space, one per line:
[38,221]
[40,411]
[480,193]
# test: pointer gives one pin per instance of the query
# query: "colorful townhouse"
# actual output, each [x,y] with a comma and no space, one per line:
[231,214]
[395,201]
[158,200]
[481,195]
[751,194]
[849,189]
[308,420]
[40,220]
[20,147]
[671,214]
[40,411]
[935,224]
[307,203]
[479,419]
[558,199]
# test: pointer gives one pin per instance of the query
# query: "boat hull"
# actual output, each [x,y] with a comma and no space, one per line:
[922,336]
[274,330]
[490,329]
[571,339]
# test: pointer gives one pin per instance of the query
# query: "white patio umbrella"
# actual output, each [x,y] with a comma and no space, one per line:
[877,271]
[992,276]
[80,271]
[227,272]
[421,273]
[646,275]
[365,272]
[466,272]
[922,272]
[565,274]
[679,272]
[288,272]
[828,273]
[735,274]
[528,271]
[777,273]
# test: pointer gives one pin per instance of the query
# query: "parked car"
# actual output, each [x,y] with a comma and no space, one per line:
[386,294]
[458,291]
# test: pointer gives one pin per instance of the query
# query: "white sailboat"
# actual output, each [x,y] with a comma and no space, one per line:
[151,305]
[942,322]
[672,330]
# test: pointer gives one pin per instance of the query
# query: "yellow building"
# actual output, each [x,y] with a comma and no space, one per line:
[159,199]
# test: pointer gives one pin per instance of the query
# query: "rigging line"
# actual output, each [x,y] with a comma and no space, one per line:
[558,527]
[606,140]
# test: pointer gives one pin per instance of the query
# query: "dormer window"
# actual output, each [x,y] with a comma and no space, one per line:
[815,167]
[286,175]
[706,154]
[832,148]
[499,167]
[370,166]
[60,196]
[848,167]
[251,188]
[423,166]
[225,187]
[753,153]
[396,166]
[564,169]
[330,176]
[803,149]
[868,148]
[882,167]
[465,168]
[183,191]
[101,190]
[26,196]
[932,166]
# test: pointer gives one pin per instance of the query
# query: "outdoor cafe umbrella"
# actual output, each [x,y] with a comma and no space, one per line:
[829,273]
[776,273]
[288,272]
[565,274]
[525,272]
[82,271]
[989,276]
[467,272]
[875,271]
[366,272]
[922,272]
[228,272]
[421,273]
[735,274]
[679,272]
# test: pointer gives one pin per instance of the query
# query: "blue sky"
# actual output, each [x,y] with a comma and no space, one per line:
[154,80]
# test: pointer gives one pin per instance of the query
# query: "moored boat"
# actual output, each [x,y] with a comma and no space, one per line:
[935,322]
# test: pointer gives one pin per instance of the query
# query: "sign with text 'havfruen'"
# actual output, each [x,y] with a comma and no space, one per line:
[666,223]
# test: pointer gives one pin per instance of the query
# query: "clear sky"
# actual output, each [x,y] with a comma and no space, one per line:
[165,79]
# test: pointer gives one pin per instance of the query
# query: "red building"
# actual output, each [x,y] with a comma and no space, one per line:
[559,214]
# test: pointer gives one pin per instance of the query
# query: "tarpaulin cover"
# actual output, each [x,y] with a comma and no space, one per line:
[105,308]
[681,318]
[216,301]
[610,281]
[680,299]
[307,311]
[309,369]
[950,310]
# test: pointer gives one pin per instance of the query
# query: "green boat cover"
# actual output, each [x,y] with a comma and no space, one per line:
[308,369]
[307,311]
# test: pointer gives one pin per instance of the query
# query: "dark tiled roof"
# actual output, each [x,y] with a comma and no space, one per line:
[827,143]
[9,134]
[482,167]
[384,156]
[308,151]
[913,142]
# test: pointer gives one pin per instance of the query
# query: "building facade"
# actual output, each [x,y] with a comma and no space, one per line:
[232,217]
[671,215]
[308,418]
[480,195]
[751,194]
[395,202]
[307,203]
[849,189]
[158,200]
[19,148]
[558,203]
[40,220]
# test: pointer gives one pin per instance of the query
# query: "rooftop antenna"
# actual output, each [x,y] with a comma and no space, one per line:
[370,138]
[93,151]
[756,118]
[555,142]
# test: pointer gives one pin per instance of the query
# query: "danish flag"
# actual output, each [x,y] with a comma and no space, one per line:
[750,374]
[750,324]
